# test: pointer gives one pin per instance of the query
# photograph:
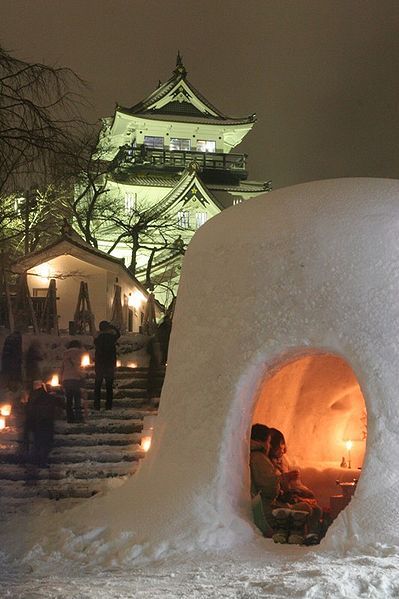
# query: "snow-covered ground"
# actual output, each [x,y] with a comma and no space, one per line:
[246,572]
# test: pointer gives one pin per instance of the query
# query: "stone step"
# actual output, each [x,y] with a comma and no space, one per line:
[120,404]
[123,373]
[120,393]
[74,455]
[137,412]
[124,384]
[97,440]
[17,491]
[101,425]
[67,472]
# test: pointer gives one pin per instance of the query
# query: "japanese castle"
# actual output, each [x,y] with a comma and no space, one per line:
[175,167]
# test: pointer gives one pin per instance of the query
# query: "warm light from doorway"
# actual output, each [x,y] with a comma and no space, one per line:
[43,270]
[136,299]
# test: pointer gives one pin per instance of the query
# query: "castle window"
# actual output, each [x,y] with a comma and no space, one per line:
[183,219]
[205,145]
[130,202]
[237,201]
[177,143]
[200,219]
[150,141]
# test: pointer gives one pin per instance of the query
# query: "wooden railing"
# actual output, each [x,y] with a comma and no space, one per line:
[143,155]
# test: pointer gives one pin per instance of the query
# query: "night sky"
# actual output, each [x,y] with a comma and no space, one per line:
[322,76]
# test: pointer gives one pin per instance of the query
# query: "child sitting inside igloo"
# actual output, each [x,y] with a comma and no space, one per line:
[288,521]
[293,489]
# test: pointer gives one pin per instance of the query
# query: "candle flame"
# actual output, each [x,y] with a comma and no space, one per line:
[146,443]
[5,410]
[55,380]
[85,360]
[132,364]
[118,363]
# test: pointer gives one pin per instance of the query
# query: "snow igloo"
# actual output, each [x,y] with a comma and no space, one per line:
[287,314]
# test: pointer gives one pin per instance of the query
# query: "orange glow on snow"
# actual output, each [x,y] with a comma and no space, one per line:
[146,443]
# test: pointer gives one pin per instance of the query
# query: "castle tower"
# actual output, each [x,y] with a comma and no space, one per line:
[175,167]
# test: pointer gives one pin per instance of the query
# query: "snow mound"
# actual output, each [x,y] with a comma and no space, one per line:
[309,267]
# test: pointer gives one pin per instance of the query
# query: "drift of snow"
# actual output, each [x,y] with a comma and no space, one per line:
[309,267]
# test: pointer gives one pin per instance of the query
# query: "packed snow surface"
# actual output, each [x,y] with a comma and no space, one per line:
[304,270]
[246,572]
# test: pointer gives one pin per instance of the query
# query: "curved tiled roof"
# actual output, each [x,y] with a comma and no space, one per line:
[178,85]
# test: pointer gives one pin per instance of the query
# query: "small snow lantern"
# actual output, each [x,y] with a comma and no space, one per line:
[55,380]
[5,409]
[146,434]
[85,360]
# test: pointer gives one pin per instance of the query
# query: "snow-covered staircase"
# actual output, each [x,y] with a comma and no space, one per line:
[86,458]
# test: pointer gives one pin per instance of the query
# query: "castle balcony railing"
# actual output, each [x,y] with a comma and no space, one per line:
[176,160]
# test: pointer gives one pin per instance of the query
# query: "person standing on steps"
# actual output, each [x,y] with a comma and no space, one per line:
[71,378]
[11,359]
[105,362]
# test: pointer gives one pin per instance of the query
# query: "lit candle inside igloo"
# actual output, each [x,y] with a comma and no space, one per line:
[348,445]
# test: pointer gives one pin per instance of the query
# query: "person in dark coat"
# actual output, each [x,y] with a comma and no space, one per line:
[41,413]
[71,378]
[105,362]
[11,358]
[33,358]
[163,336]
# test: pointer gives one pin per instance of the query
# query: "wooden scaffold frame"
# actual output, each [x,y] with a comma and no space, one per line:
[84,317]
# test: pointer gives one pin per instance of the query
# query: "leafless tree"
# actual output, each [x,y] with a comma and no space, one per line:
[39,118]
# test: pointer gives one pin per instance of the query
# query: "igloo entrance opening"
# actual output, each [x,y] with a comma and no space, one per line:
[317,403]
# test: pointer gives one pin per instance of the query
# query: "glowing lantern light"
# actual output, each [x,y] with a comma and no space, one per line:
[136,299]
[2,423]
[85,360]
[55,380]
[5,410]
[148,427]
[348,446]
[146,443]
[132,365]
[43,270]
[118,363]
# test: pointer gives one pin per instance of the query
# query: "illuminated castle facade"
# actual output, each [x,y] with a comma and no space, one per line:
[175,168]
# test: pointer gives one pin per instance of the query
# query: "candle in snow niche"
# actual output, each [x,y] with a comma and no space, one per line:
[85,360]
[146,443]
[55,380]
[148,428]
[5,409]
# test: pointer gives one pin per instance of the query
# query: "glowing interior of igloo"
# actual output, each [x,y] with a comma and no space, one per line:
[316,401]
